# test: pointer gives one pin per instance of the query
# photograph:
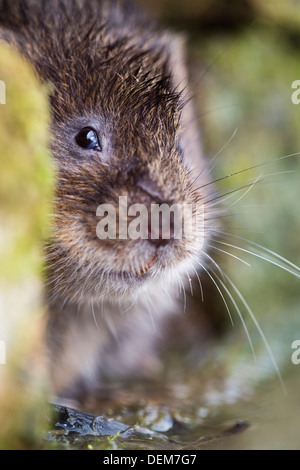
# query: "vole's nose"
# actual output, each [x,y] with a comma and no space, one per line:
[160,220]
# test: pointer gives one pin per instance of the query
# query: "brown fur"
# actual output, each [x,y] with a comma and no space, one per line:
[111,69]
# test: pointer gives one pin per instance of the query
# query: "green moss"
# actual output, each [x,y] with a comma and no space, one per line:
[26,185]
[26,172]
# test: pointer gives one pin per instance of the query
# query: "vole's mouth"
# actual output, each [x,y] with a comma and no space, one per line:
[138,271]
[143,268]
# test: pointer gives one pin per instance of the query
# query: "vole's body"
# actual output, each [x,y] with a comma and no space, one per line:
[113,71]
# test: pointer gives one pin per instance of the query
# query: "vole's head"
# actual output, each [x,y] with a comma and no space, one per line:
[116,138]
[116,133]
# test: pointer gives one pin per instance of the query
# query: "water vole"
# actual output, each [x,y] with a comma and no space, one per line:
[121,126]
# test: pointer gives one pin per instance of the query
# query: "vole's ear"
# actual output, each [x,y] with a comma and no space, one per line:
[190,134]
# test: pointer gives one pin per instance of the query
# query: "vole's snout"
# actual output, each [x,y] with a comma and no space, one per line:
[160,220]
[163,233]
[151,189]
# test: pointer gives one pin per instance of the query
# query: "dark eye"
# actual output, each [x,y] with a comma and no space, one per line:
[88,139]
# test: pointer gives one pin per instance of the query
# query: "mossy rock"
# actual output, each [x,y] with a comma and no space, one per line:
[26,185]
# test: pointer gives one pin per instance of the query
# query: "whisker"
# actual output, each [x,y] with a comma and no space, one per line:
[229,254]
[184,295]
[94,316]
[111,326]
[246,192]
[257,255]
[234,303]
[260,332]
[221,150]
[168,294]
[200,283]
[263,248]
[190,283]
[249,169]
[225,196]
[150,312]
[217,217]
[235,189]
[102,308]
[129,308]
[209,170]
[217,287]
[241,229]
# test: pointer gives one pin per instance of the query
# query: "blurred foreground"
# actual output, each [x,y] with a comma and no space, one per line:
[25,191]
